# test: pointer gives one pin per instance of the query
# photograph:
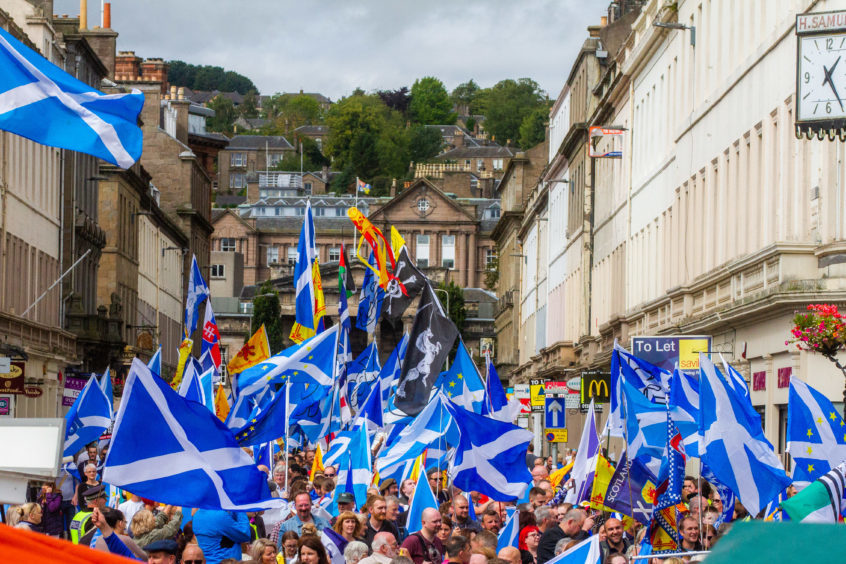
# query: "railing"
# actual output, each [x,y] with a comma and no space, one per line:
[437,170]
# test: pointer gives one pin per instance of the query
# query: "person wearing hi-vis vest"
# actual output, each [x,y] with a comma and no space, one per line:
[81,524]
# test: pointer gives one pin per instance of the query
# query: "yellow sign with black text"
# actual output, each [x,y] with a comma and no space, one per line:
[556,435]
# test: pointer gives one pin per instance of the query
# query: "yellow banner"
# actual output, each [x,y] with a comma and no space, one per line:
[601,479]
[556,477]
[317,465]
[221,406]
[253,352]
[397,242]
[184,352]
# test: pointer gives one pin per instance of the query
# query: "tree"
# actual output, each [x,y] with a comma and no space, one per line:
[313,159]
[455,304]
[249,107]
[533,128]
[430,102]
[506,105]
[396,99]
[206,77]
[424,143]
[290,111]
[464,95]
[224,114]
[268,311]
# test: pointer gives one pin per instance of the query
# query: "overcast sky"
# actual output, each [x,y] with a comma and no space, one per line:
[333,46]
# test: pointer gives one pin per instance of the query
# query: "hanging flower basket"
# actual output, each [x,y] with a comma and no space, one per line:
[820,329]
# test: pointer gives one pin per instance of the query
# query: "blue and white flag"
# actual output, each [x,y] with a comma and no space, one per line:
[371,412]
[509,535]
[422,499]
[40,101]
[652,381]
[434,422]
[816,433]
[361,373]
[462,383]
[733,445]
[684,409]
[584,466]
[176,451]
[726,496]
[646,427]
[389,375]
[308,321]
[105,382]
[586,552]
[496,402]
[630,488]
[198,292]
[155,364]
[354,465]
[89,416]
[490,457]
[344,354]
[370,301]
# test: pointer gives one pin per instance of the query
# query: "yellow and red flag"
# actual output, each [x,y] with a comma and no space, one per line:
[185,348]
[379,246]
[601,480]
[221,404]
[253,352]
[317,465]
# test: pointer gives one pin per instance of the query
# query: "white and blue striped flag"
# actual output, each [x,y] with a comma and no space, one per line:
[430,425]
[509,535]
[106,385]
[40,101]
[586,552]
[422,499]
[198,292]
[89,416]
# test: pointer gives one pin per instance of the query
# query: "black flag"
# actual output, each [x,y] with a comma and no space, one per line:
[432,337]
[406,272]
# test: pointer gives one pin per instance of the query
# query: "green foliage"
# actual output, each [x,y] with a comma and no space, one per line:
[205,77]
[506,104]
[465,95]
[249,107]
[492,273]
[267,310]
[424,143]
[430,102]
[313,159]
[533,128]
[456,302]
[290,111]
[470,124]
[343,182]
[225,115]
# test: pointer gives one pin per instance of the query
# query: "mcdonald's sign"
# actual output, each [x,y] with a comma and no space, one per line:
[596,386]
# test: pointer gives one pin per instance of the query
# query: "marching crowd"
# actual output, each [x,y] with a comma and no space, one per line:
[465,529]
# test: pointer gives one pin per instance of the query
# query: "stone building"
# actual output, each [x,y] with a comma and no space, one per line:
[246,156]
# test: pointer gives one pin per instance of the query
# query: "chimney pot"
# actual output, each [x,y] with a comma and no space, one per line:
[603,21]
[180,93]
[83,14]
[107,15]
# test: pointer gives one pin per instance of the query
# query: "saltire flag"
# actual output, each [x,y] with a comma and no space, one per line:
[663,533]
[370,301]
[345,275]
[43,103]
[422,499]
[816,433]
[653,382]
[584,465]
[255,351]
[684,409]
[355,470]
[646,426]
[631,490]
[389,375]
[309,291]
[462,383]
[89,416]
[725,493]
[313,418]
[221,404]
[432,337]
[379,247]
[509,535]
[490,456]
[434,422]
[821,501]
[735,379]
[210,347]
[734,444]
[361,374]
[198,291]
[105,383]
[586,552]
[192,460]
[414,281]
[496,402]
[362,186]
[155,364]
[371,411]
[190,387]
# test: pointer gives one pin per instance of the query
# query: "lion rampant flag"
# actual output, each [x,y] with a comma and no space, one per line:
[254,351]
[221,405]
[601,480]
[185,348]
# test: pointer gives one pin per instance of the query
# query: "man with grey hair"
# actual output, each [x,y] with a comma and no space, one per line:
[354,552]
[385,548]
[574,524]
[546,517]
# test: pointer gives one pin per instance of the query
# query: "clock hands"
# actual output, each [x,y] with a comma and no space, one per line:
[828,73]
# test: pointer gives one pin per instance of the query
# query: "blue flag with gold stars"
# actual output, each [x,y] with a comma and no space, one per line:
[462,383]
[816,432]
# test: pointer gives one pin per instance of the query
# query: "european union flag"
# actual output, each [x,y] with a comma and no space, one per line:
[816,433]
[40,101]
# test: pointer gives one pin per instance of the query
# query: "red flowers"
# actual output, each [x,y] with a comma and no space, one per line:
[821,329]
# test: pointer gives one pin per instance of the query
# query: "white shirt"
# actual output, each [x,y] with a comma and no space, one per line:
[129,508]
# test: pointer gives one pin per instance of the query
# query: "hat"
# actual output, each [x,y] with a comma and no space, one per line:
[386,485]
[163,545]
[346,497]
[94,493]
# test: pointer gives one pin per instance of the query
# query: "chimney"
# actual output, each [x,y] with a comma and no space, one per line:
[155,70]
[181,105]
[603,21]
[458,138]
[83,14]
[107,15]
[324,174]
[127,65]
[393,187]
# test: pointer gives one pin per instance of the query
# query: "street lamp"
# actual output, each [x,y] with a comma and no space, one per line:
[447,307]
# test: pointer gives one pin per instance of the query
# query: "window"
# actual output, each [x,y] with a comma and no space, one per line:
[493,213]
[300,210]
[480,164]
[292,255]
[448,251]
[238,159]
[218,271]
[237,180]
[274,158]
[490,256]
[423,251]
[308,187]
[334,254]
[272,255]
[319,212]
[340,212]
[227,244]
[422,205]
[467,163]
[496,164]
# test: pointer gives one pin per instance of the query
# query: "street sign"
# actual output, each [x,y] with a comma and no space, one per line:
[574,388]
[521,392]
[667,350]
[556,414]
[556,435]
[536,389]
[5,364]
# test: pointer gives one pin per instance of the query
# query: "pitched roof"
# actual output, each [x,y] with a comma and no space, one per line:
[228,200]
[256,142]
[312,129]
[418,185]
[479,151]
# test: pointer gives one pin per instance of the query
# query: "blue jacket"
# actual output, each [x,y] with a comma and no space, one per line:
[210,526]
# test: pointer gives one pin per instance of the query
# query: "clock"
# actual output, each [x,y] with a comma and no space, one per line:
[821,73]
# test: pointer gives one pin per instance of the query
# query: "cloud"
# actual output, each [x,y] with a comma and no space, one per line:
[334,46]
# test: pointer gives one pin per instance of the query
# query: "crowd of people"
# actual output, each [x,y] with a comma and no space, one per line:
[464,529]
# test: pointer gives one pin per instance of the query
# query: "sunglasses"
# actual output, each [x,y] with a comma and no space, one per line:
[193,562]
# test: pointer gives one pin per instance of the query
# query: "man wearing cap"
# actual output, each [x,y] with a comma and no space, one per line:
[81,525]
[389,487]
[162,552]
[346,502]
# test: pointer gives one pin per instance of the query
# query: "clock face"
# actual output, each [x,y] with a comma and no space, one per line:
[821,80]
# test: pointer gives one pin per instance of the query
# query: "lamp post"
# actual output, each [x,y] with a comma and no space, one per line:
[447,308]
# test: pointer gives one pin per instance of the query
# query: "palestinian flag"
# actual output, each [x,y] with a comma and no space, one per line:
[821,501]
[345,277]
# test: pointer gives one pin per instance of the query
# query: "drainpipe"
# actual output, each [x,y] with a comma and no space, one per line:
[4,187]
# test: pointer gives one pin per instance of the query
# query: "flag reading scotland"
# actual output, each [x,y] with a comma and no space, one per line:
[40,101]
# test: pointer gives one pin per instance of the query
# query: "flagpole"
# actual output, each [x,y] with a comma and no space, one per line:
[628,460]
[287,418]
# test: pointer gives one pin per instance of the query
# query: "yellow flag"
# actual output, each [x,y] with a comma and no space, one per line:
[221,406]
[601,479]
[184,352]
[397,242]
[556,477]
[317,465]
[418,466]
[253,352]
